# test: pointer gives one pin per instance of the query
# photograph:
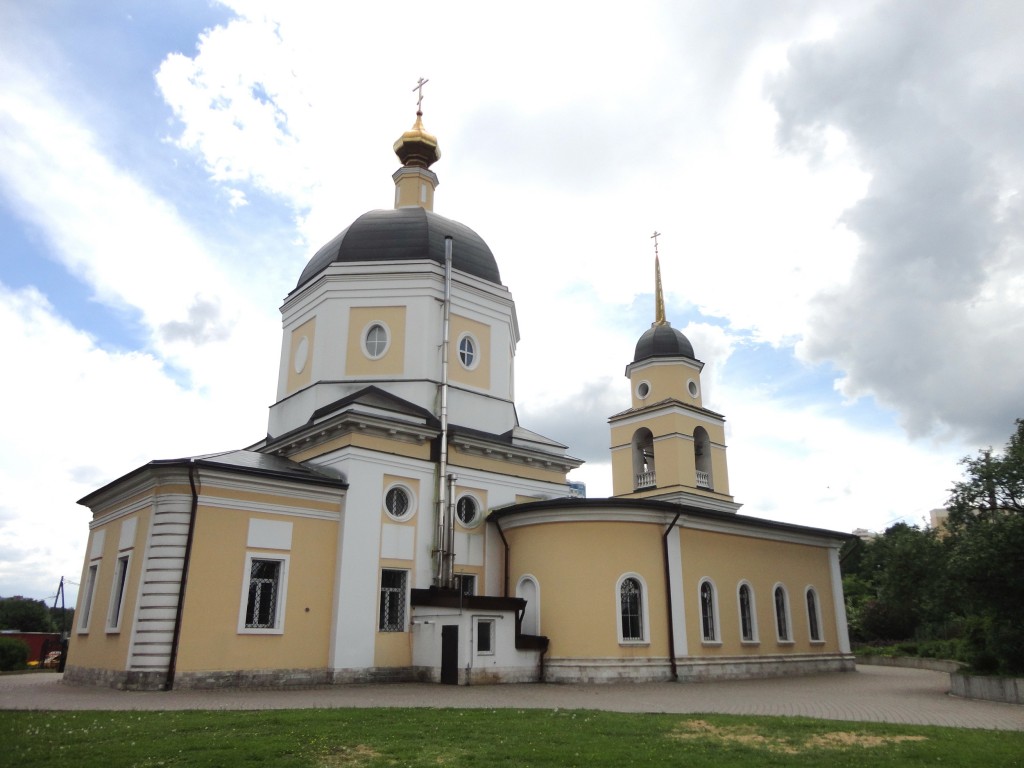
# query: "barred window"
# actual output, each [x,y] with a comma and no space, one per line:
[392,600]
[631,609]
[264,589]
[813,617]
[709,632]
[467,511]
[747,614]
[782,615]
[397,503]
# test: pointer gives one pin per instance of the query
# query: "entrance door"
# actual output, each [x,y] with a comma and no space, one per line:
[450,654]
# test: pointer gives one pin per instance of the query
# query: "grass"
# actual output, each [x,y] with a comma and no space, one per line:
[503,737]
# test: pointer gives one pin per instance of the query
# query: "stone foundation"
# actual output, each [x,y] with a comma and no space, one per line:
[121,680]
[690,670]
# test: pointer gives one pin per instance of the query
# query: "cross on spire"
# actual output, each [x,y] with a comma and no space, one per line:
[419,98]
[655,237]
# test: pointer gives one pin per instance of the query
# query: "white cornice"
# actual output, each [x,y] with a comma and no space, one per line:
[473,445]
[636,415]
[354,422]
[736,527]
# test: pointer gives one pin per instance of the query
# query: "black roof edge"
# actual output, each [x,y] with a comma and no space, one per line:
[669,507]
[206,462]
[452,598]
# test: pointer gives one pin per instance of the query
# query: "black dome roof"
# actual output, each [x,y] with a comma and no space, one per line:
[663,341]
[405,234]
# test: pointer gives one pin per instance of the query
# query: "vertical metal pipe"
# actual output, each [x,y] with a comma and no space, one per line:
[668,598]
[441,536]
[449,522]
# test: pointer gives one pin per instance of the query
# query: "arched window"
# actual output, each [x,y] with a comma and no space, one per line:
[702,457]
[782,625]
[643,459]
[708,612]
[748,614]
[813,616]
[529,590]
[632,609]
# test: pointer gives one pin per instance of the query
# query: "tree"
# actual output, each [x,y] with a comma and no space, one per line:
[25,615]
[992,483]
[895,583]
[986,554]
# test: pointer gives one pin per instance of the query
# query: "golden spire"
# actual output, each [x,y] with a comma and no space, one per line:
[659,299]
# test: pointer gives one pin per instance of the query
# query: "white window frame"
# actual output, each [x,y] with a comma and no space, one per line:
[820,639]
[405,600]
[118,589]
[412,502]
[645,627]
[477,519]
[787,614]
[366,332]
[490,651]
[716,624]
[755,637]
[281,598]
[472,365]
[92,576]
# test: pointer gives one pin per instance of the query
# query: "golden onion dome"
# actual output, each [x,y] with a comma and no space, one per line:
[416,147]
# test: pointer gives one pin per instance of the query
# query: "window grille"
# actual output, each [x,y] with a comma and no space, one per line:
[746,614]
[631,610]
[264,582]
[392,600]
[812,615]
[707,611]
[397,502]
[781,614]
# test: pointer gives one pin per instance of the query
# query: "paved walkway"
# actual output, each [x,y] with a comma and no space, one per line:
[871,694]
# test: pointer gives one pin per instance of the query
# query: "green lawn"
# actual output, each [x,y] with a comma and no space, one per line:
[504,737]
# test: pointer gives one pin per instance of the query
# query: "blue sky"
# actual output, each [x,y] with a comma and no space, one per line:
[837,185]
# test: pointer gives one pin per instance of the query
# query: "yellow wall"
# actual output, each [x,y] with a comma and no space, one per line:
[302,377]
[667,381]
[728,559]
[394,649]
[209,637]
[457,458]
[393,361]
[674,461]
[370,442]
[480,375]
[577,566]
[98,648]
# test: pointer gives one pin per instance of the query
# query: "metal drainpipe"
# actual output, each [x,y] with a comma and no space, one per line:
[668,598]
[442,465]
[497,524]
[172,664]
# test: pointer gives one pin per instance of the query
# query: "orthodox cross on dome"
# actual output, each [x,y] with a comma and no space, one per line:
[419,97]
[659,299]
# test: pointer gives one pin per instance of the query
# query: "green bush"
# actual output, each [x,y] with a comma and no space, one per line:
[13,654]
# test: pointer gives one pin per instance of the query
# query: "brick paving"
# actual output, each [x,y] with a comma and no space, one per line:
[871,694]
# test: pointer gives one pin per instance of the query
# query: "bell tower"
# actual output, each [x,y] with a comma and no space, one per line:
[667,445]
